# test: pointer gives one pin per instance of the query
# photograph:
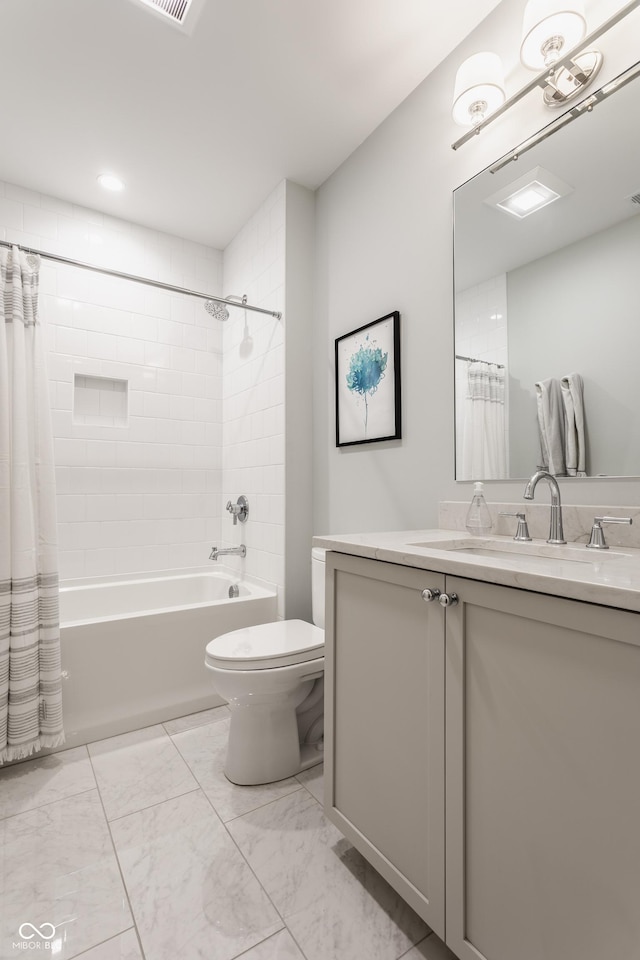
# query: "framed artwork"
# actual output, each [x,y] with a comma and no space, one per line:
[368,383]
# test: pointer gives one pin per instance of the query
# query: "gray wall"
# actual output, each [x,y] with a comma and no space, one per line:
[577,310]
[384,242]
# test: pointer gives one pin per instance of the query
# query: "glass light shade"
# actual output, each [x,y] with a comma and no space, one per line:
[550,27]
[479,88]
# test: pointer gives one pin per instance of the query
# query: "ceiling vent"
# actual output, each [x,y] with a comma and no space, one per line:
[635,198]
[181,14]
[175,11]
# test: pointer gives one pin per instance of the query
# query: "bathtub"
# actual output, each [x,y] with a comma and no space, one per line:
[133,649]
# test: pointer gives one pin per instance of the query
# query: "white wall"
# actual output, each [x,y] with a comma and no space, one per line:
[254,393]
[146,495]
[384,242]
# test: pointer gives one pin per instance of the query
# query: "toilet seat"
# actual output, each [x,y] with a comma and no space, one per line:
[266,646]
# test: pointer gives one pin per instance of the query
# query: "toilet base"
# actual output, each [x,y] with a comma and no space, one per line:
[264,745]
[310,756]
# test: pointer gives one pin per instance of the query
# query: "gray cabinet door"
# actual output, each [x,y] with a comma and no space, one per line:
[543,777]
[384,724]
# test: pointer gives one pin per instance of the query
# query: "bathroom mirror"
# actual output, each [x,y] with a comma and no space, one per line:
[547,301]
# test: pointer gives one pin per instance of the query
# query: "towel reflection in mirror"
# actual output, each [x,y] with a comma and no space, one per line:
[560,406]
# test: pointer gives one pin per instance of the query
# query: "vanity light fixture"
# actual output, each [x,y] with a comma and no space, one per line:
[110,182]
[479,89]
[554,42]
[551,27]
[529,193]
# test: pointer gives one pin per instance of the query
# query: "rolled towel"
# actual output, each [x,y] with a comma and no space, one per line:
[573,399]
[551,425]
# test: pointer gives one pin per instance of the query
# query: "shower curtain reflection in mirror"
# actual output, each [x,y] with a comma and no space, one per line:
[483,432]
[30,681]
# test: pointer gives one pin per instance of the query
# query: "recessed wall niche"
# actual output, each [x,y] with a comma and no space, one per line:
[100,401]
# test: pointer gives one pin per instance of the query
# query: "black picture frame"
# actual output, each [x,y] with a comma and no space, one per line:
[368,383]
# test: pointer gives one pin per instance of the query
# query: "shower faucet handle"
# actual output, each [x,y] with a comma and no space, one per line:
[239,510]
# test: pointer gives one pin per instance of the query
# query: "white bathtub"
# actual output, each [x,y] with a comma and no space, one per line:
[133,649]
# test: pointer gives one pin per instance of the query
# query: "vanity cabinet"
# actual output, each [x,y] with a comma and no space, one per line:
[499,739]
[384,669]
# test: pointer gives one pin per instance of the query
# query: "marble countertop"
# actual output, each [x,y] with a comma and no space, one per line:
[609,577]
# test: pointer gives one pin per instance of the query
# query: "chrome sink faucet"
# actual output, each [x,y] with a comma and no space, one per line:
[556,533]
[216,552]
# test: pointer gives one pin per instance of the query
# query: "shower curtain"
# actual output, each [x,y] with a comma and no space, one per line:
[30,681]
[484,454]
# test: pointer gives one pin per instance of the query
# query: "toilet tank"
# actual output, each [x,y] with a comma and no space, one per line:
[317,585]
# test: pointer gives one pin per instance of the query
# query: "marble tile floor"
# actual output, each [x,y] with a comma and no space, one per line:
[138,848]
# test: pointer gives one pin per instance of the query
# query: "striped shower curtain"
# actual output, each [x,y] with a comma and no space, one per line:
[30,681]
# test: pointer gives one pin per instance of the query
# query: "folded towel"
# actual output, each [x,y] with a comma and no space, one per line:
[551,425]
[573,399]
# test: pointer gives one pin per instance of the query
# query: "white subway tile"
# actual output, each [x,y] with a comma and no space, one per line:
[14,191]
[183,359]
[157,304]
[170,332]
[100,563]
[169,381]
[195,338]
[70,452]
[71,564]
[101,507]
[168,431]
[182,408]
[42,222]
[130,351]
[101,453]
[71,508]
[158,355]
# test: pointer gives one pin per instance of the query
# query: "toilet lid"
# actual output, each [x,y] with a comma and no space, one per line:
[265,646]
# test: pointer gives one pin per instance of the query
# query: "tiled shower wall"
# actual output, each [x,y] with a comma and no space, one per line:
[141,495]
[254,393]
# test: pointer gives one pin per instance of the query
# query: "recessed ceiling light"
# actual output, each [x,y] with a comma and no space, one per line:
[529,193]
[533,196]
[110,182]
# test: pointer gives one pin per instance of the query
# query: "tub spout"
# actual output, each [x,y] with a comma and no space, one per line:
[216,552]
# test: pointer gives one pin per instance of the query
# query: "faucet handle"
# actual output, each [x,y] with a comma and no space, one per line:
[597,541]
[522,533]
[239,510]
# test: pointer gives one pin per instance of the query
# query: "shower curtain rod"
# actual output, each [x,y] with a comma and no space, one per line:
[130,276]
[489,362]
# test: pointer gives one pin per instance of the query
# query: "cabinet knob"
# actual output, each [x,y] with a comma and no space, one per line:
[448,599]
[429,595]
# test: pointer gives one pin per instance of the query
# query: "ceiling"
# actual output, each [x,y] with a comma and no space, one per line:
[203,124]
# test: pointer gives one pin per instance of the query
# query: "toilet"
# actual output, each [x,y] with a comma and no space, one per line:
[272,677]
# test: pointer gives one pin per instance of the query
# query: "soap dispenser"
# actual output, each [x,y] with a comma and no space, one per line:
[478,516]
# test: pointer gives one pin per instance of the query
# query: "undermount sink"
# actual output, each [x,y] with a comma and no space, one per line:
[514,550]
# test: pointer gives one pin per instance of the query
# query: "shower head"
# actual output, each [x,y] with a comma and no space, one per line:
[216,309]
